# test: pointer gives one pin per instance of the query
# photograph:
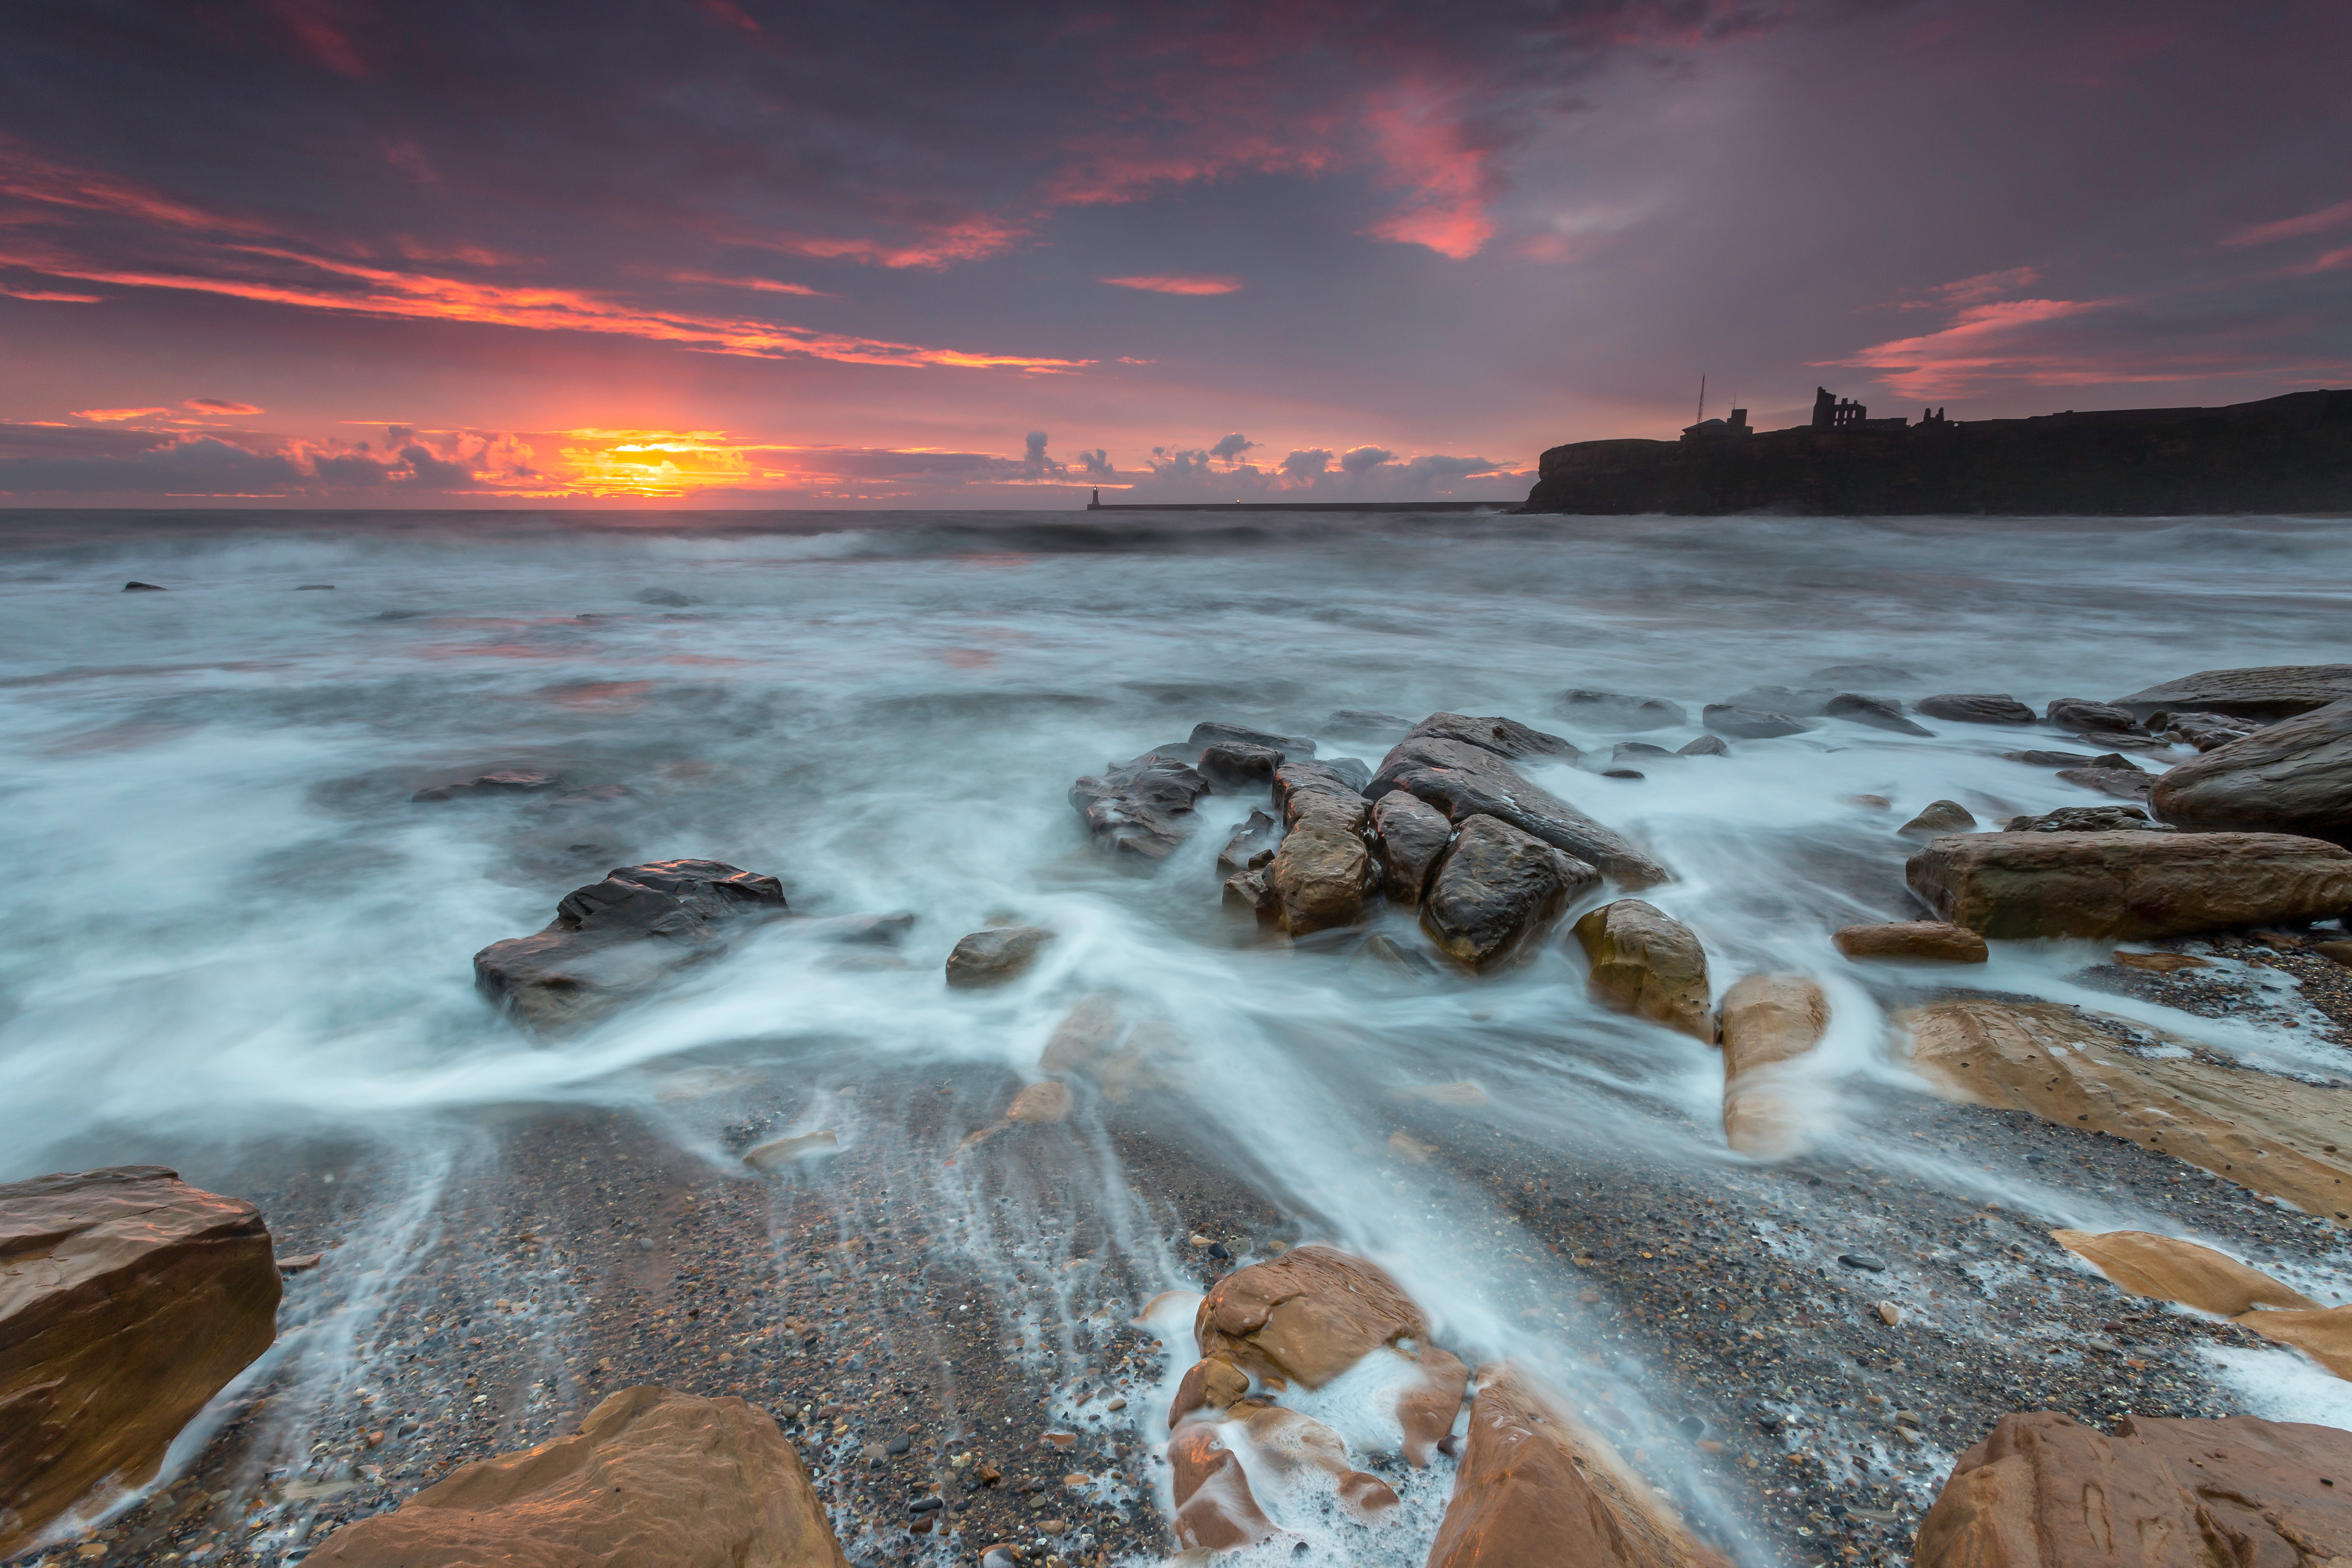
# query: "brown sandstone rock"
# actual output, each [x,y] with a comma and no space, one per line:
[1410,835]
[651,1477]
[2295,776]
[1767,1019]
[1213,1505]
[1286,1442]
[1939,816]
[1536,1490]
[1307,1315]
[1917,940]
[1251,847]
[1646,962]
[2129,885]
[2322,1334]
[2166,1269]
[2160,963]
[1323,873]
[1496,887]
[1506,737]
[1321,786]
[1039,1103]
[1213,1383]
[2045,1492]
[782,1153]
[2268,693]
[1096,1040]
[127,1299]
[995,956]
[1427,1409]
[2062,1066]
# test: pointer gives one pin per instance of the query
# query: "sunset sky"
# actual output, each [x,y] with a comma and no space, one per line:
[723,253]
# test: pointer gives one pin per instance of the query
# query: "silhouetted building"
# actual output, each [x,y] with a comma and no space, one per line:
[1708,429]
[1832,412]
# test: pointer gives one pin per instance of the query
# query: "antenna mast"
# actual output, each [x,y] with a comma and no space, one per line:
[1702,399]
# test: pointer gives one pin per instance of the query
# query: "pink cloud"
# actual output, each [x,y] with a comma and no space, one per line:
[322,33]
[2294,227]
[1987,341]
[758,284]
[1179,284]
[53,295]
[1426,151]
[116,415]
[219,405]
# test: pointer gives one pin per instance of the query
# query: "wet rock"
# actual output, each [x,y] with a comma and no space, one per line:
[1427,1409]
[782,1154]
[1939,816]
[2126,782]
[2294,776]
[1642,751]
[1623,774]
[1233,767]
[1878,712]
[669,596]
[1042,1103]
[2052,759]
[1410,836]
[2267,693]
[1705,746]
[1767,1020]
[1506,737]
[1977,708]
[1307,1315]
[2044,1491]
[1618,711]
[2206,731]
[1798,703]
[995,956]
[1648,963]
[650,1475]
[1751,724]
[1143,808]
[1323,873]
[1214,1508]
[1214,735]
[1251,847]
[1536,1488]
[2322,1334]
[2159,963]
[613,940]
[1297,785]
[2087,819]
[1366,722]
[1286,1443]
[1843,675]
[2166,1269]
[1929,940]
[2062,1066]
[1096,1041]
[1496,887]
[1213,1383]
[1248,895]
[1465,781]
[128,1299]
[1869,1263]
[510,782]
[2081,713]
[145,588]
[2129,884]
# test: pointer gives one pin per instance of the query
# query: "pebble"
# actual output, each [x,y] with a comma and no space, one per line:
[1863,1260]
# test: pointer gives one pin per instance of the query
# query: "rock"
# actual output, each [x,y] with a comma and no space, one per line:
[2165,1268]
[1286,1443]
[1251,847]
[1767,1020]
[1213,1383]
[1506,737]
[1411,1150]
[1247,895]
[1625,752]
[1233,767]
[782,1154]
[2087,819]
[1306,1316]
[2336,952]
[1040,1103]
[1869,801]
[1496,887]
[1862,675]
[1465,781]
[1929,940]
[1869,1263]
[1298,784]
[2128,884]
[1939,816]
[669,596]
[512,780]
[1888,1313]
[2052,759]
[1323,873]
[2043,1491]
[2125,783]
[1979,708]
[1143,808]
[2268,693]
[128,1299]
[1215,1510]
[1750,723]
[2324,1335]
[145,588]
[1204,735]
[1705,746]
[1427,1409]
[1796,703]
[1536,1488]
[2206,731]
[1623,774]
[1617,710]
[996,955]
[1648,963]
[1095,1041]
[2294,776]
[651,1476]
[613,940]
[2159,963]
[2061,1065]
[301,1263]
[2081,713]
[1878,712]
[1410,836]
[860,931]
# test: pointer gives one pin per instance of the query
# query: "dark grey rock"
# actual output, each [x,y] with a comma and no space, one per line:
[1627,751]
[1751,724]
[1143,808]
[1410,837]
[145,588]
[1251,847]
[2081,713]
[1496,888]
[510,782]
[1705,746]
[2126,782]
[1868,1262]
[1977,708]
[1878,712]
[2087,819]
[2266,692]
[1506,737]
[1233,767]
[995,956]
[1211,734]
[1619,711]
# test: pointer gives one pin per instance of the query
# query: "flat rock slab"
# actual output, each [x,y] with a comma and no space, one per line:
[2167,1268]
[128,1299]
[2267,692]
[2132,885]
[1977,708]
[1919,941]
[1619,710]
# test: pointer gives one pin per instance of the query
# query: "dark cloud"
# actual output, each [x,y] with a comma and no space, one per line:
[1231,447]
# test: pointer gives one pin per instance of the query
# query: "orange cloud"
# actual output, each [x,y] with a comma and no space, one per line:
[967,239]
[34,179]
[113,416]
[758,284]
[53,295]
[218,405]
[1177,284]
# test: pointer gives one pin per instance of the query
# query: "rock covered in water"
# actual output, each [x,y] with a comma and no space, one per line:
[1705,746]
[1214,1507]
[1939,816]
[2266,693]
[1141,809]
[2087,819]
[2166,1269]
[1040,1104]
[1878,712]
[128,1299]
[2126,782]
[1465,781]
[1797,702]
[508,782]
[2294,776]
[1216,734]
[616,940]
[1098,1041]
[2081,713]
[2130,885]
[2044,1491]
[995,956]
[783,1153]
[1751,724]
[1927,941]
[1251,847]
[1306,1316]
[1618,711]
[1648,963]
[1767,1020]
[1286,1442]
[651,1476]
[1410,836]
[1496,888]
[1977,708]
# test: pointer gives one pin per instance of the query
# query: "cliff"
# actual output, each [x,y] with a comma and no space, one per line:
[2289,454]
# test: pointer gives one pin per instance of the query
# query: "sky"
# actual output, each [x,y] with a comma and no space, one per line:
[905,253]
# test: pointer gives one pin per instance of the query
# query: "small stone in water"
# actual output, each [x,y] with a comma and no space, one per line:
[1864,1260]
[898,1446]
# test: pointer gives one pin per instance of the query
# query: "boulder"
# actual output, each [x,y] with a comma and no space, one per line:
[1213,1383]
[1705,746]
[1296,784]
[1143,808]
[1214,735]
[508,781]
[2044,1491]
[1496,887]
[2166,1269]
[1939,816]
[1323,873]
[128,1299]
[996,955]
[2129,884]
[615,941]
[1648,963]
[2087,819]
[1306,1316]
[1751,724]
[1233,767]
[2126,783]
[1247,895]
[1465,781]
[650,1477]
[1506,737]
[1215,1510]
[1878,712]
[2265,1132]
[1251,847]
[1767,1019]
[2322,1334]
[1918,941]
[1977,708]
[2081,713]
[1410,835]
[1617,710]
[2294,776]
[2267,693]
[1536,1488]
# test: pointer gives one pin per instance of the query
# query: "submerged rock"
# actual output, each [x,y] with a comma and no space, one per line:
[1286,1442]
[782,1154]
[2295,776]
[669,596]
[2128,884]
[2166,1269]
[1618,711]
[1751,724]
[1648,963]
[995,956]
[1410,835]
[1939,816]
[613,940]
[1496,887]
[1142,808]
[2267,693]
[1796,703]
[650,1475]
[1931,941]
[1215,735]
[128,1299]
[1977,708]
[1251,847]
[2044,1491]
[1767,1020]
[1042,1103]
[1096,1041]
[511,780]
[2126,782]
[1878,712]
[2087,819]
